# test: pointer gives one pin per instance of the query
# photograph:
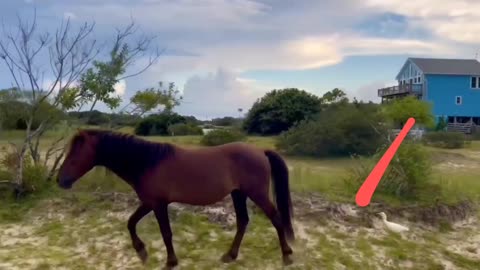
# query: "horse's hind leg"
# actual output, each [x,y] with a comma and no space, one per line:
[241,212]
[161,213]
[137,243]
[263,201]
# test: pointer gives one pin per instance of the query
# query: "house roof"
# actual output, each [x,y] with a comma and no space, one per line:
[447,66]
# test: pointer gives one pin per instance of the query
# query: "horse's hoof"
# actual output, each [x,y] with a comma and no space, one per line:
[169,266]
[171,263]
[143,255]
[228,258]
[287,260]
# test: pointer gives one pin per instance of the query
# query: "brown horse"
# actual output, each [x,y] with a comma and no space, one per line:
[162,173]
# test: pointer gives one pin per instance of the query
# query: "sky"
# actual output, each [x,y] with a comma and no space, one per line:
[225,54]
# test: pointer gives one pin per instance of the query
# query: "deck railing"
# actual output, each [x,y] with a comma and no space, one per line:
[400,89]
[462,127]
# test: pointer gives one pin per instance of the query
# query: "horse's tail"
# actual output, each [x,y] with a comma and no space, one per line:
[281,191]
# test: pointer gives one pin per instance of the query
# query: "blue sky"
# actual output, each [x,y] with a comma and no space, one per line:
[224,54]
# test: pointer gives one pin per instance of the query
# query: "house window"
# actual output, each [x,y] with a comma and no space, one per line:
[475,82]
[419,80]
[458,100]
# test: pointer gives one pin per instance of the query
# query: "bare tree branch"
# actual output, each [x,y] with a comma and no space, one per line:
[151,61]
[71,54]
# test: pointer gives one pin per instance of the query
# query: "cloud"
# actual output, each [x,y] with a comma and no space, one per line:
[120,88]
[273,35]
[368,92]
[69,15]
[451,20]
[268,35]
[299,54]
[180,15]
[49,84]
[219,94]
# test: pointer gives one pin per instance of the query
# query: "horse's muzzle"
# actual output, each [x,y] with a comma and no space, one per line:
[65,183]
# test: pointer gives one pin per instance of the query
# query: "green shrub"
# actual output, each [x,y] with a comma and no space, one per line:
[35,179]
[158,124]
[97,118]
[4,176]
[441,139]
[222,136]
[475,136]
[34,176]
[182,129]
[408,175]
[400,110]
[10,161]
[339,131]
[227,121]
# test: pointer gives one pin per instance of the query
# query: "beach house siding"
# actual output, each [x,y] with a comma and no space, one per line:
[453,95]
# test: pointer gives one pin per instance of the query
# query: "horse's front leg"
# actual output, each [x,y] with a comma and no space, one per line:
[137,243]
[240,204]
[161,212]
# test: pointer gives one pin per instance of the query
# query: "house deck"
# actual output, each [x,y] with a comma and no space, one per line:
[452,86]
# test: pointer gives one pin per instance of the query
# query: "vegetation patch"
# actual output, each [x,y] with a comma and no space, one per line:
[279,110]
[407,177]
[443,139]
[158,124]
[183,129]
[222,136]
[341,130]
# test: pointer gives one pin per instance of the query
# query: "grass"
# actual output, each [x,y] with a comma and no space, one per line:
[66,235]
[81,230]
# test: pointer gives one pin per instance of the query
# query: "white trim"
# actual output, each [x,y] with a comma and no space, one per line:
[456,100]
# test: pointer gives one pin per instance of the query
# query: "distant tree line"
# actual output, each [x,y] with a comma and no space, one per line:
[331,124]
[98,118]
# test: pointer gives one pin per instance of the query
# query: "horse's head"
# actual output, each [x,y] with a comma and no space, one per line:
[79,160]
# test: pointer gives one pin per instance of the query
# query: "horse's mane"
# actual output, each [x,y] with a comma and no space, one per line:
[139,152]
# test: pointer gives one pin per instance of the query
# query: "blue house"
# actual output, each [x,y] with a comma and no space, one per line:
[452,86]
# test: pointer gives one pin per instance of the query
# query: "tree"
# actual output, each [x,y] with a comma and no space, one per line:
[334,96]
[79,77]
[279,110]
[97,83]
[400,110]
[354,130]
[225,121]
[158,124]
[151,99]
